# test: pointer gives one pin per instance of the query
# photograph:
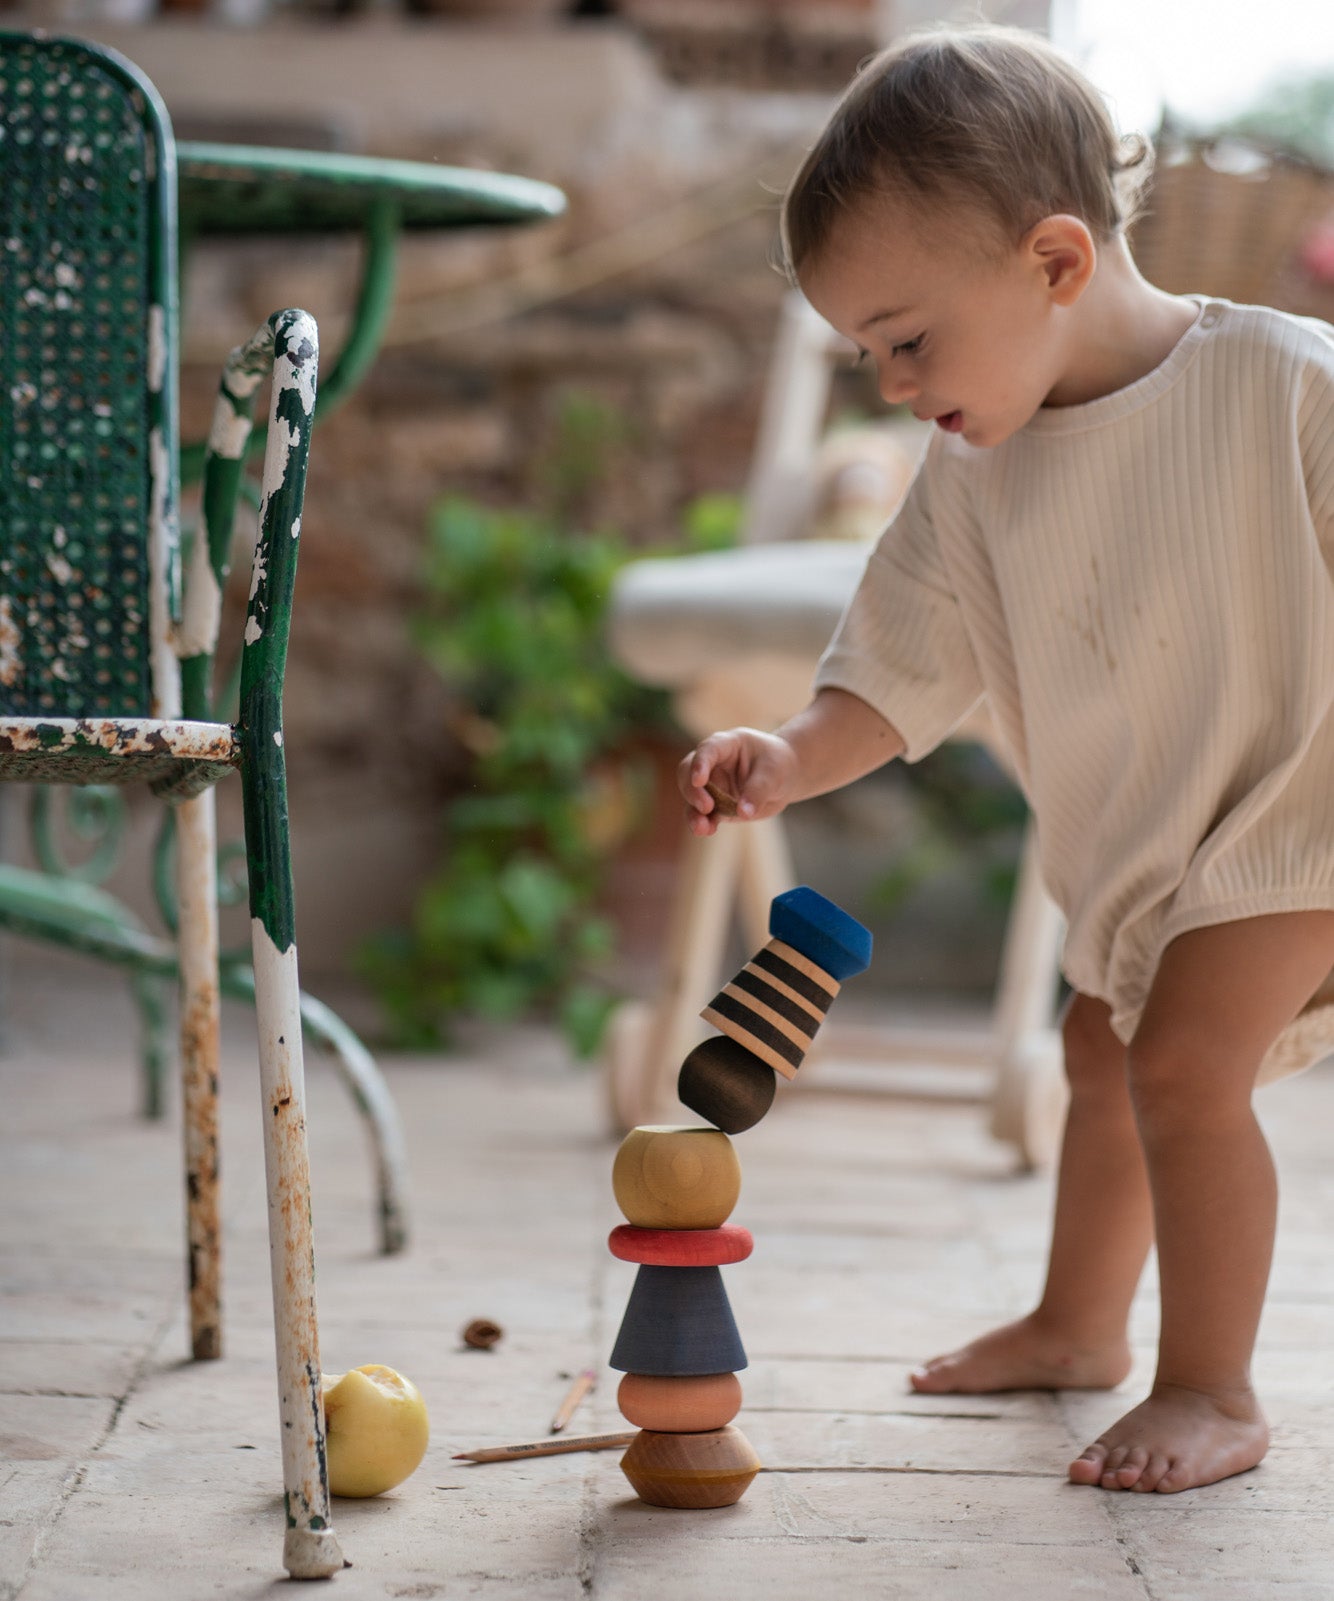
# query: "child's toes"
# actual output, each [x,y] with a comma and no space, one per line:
[1087,1468]
[1155,1469]
[1176,1477]
[935,1376]
[1128,1474]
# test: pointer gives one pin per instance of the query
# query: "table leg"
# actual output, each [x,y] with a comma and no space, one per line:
[375,301]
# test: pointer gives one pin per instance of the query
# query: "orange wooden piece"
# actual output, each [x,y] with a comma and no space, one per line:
[690,1470]
[681,1247]
[679,1405]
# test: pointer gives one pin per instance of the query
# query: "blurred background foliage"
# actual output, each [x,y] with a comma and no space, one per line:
[506,925]
[1296,114]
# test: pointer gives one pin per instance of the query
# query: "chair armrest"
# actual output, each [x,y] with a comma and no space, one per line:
[287,346]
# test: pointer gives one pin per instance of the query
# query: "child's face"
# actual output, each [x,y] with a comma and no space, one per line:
[973,336]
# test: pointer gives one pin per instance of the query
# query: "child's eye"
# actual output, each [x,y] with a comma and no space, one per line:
[910,347]
[860,357]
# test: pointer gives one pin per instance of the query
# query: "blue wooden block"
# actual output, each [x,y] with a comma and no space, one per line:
[678,1323]
[821,931]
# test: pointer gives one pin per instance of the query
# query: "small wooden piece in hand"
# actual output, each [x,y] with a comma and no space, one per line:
[724,805]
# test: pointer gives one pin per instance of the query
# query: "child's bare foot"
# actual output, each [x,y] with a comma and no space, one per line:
[1024,1355]
[1176,1440]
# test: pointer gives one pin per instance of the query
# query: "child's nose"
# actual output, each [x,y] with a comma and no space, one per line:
[897,389]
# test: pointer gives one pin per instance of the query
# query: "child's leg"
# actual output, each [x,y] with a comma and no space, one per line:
[1076,1338]
[1221,997]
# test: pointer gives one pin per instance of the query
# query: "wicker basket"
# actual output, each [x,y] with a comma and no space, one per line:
[1230,219]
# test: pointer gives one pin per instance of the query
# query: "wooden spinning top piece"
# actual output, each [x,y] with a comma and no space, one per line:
[666,1177]
[727,1084]
[690,1470]
[679,1405]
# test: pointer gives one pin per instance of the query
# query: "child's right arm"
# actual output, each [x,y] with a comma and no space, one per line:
[837,738]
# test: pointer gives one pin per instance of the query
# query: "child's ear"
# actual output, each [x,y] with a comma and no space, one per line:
[1062,249]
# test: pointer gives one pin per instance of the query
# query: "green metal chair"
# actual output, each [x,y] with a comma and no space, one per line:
[106,659]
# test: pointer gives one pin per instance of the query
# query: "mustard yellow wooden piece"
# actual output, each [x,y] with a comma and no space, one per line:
[666,1177]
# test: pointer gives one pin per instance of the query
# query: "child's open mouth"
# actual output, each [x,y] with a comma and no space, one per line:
[950,421]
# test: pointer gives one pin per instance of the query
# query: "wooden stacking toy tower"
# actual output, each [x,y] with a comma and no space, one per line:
[678,1346]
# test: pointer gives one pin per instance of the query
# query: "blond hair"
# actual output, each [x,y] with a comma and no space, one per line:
[989,115]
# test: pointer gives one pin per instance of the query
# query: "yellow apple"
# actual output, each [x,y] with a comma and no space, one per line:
[376,1429]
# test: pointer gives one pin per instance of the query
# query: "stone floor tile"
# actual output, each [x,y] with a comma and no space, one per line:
[818,1383]
[860,1570]
[64,1315]
[31,1495]
[1174,1549]
[51,1428]
[76,1366]
[931,1444]
[843,1504]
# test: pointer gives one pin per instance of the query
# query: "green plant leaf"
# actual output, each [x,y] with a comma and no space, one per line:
[512,621]
[584,1014]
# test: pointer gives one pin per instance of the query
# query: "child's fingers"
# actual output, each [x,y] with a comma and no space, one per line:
[713,781]
[692,782]
[695,773]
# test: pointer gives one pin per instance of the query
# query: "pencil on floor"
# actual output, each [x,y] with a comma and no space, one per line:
[548,1447]
[577,1391]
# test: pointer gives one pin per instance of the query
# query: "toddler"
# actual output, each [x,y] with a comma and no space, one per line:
[1122,535]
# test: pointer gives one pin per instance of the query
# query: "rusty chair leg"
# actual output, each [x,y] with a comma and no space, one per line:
[310,1549]
[290,342]
[200,1032]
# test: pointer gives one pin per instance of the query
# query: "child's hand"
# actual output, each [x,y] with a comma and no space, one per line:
[741,773]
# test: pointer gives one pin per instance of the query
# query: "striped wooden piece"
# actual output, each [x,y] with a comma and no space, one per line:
[774,1006]
[776,1003]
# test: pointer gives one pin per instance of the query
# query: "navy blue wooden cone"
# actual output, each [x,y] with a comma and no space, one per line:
[678,1322]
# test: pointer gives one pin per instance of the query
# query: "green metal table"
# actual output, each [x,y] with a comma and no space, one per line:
[244,191]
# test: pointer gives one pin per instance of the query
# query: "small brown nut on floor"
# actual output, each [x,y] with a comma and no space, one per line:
[723,803]
[482,1333]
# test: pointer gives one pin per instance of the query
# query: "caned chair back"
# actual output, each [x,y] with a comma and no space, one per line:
[88,408]
[1228,219]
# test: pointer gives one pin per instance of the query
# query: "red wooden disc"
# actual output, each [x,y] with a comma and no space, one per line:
[681,1247]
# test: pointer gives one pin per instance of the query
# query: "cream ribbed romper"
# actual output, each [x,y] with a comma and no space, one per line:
[1142,589]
